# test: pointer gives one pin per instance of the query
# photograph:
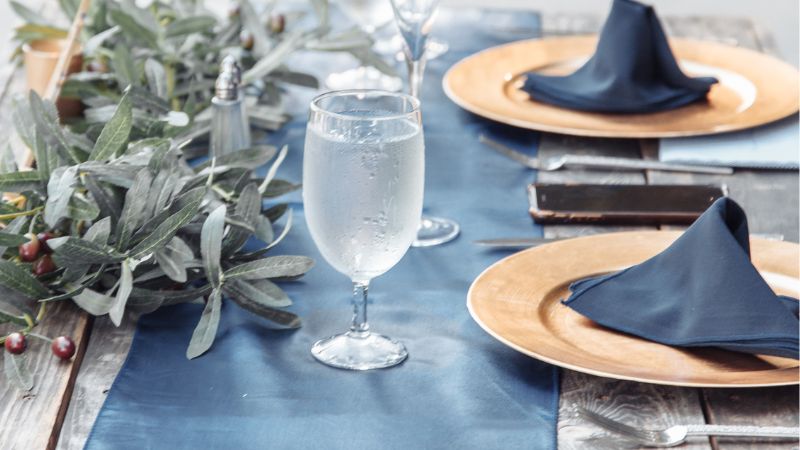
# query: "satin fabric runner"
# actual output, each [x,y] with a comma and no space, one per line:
[261,388]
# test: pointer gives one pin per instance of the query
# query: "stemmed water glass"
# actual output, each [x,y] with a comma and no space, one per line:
[363,177]
[415,19]
[370,15]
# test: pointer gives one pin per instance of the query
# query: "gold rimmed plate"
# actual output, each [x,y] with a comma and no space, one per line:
[753,89]
[518,302]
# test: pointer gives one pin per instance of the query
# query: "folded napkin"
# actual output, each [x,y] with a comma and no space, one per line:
[632,71]
[702,291]
[776,145]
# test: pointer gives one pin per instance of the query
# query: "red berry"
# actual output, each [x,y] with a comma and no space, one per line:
[63,347]
[246,40]
[29,251]
[43,237]
[97,66]
[277,23]
[15,343]
[44,265]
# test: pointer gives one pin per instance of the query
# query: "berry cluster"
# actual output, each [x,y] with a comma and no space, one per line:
[62,346]
[37,251]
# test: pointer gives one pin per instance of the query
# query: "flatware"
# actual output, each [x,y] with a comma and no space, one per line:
[514,242]
[598,162]
[525,242]
[677,434]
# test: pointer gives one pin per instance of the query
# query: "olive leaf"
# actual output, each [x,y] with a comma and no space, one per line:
[17,372]
[248,207]
[206,329]
[261,293]
[45,117]
[83,251]
[211,245]
[27,14]
[271,267]
[115,133]
[284,318]
[81,208]
[273,213]
[166,230]
[123,292]
[11,240]
[15,277]
[273,169]
[135,203]
[124,68]
[132,27]
[20,181]
[189,25]
[99,231]
[12,229]
[156,78]
[93,302]
[249,158]
[108,205]
[59,192]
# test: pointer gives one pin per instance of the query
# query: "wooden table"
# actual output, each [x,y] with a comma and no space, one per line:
[60,410]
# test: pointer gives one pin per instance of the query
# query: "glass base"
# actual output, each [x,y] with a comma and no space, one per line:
[435,231]
[363,78]
[359,351]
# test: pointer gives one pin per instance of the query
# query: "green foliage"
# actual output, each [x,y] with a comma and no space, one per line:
[139,228]
[172,50]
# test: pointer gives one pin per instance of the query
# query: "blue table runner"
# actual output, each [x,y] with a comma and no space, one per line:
[259,387]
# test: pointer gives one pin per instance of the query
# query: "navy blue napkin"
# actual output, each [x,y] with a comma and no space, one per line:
[632,71]
[702,291]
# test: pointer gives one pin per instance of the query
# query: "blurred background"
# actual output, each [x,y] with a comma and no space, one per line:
[781,17]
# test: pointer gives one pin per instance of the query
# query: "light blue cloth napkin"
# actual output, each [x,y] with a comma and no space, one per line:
[776,145]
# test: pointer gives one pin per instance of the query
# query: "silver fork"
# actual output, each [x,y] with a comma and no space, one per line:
[598,162]
[677,434]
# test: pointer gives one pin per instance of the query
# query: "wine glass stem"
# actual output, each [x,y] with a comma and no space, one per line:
[415,70]
[359,327]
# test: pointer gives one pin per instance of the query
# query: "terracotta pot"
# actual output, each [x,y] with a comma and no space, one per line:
[41,57]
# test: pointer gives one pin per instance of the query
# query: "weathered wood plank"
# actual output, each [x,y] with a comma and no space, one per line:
[771,200]
[32,420]
[767,407]
[101,362]
[636,403]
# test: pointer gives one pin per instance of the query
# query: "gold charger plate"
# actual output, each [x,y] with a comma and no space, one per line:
[517,301]
[754,89]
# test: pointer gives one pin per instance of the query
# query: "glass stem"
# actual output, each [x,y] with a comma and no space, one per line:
[415,71]
[359,327]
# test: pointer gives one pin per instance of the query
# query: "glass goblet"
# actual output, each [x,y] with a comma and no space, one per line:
[363,176]
[415,19]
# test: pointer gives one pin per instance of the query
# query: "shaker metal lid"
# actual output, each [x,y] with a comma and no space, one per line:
[227,85]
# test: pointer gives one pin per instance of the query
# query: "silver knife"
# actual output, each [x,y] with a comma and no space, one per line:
[525,242]
[598,162]
[514,242]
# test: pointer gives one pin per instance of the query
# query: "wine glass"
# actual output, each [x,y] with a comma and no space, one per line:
[415,19]
[369,15]
[363,177]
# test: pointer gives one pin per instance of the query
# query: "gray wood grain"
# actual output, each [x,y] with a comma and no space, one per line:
[636,403]
[771,199]
[101,362]
[32,420]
